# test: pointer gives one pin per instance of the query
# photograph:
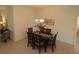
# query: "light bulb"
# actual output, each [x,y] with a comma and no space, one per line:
[41,20]
[36,20]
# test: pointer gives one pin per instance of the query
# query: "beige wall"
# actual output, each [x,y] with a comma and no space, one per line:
[23,18]
[10,20]
[65,18]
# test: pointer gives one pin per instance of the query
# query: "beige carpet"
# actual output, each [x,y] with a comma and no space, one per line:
[20,47]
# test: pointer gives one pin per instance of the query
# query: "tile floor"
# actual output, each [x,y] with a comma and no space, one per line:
[20,47]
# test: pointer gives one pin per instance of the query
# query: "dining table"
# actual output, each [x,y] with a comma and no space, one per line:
[48,36]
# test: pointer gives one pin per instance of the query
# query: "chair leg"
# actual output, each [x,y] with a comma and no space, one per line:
[55,46]
[39,49]
[5,41]
[9,38]
[52,49]
[28,45]
[45,49]
[33,46]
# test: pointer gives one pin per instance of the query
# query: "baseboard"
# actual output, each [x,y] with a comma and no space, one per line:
[66,42]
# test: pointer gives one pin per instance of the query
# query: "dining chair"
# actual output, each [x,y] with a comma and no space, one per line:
[39,43]
[54,41]
[48,31]
[42,30]
[30,29]
[30,38]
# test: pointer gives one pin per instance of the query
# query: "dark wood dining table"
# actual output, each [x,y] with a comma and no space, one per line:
[49,36]
[39,40]
[38,37]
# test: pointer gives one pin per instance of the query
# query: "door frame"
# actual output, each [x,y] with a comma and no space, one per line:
[75,33]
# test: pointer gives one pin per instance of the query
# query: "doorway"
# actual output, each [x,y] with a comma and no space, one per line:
[76,40]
